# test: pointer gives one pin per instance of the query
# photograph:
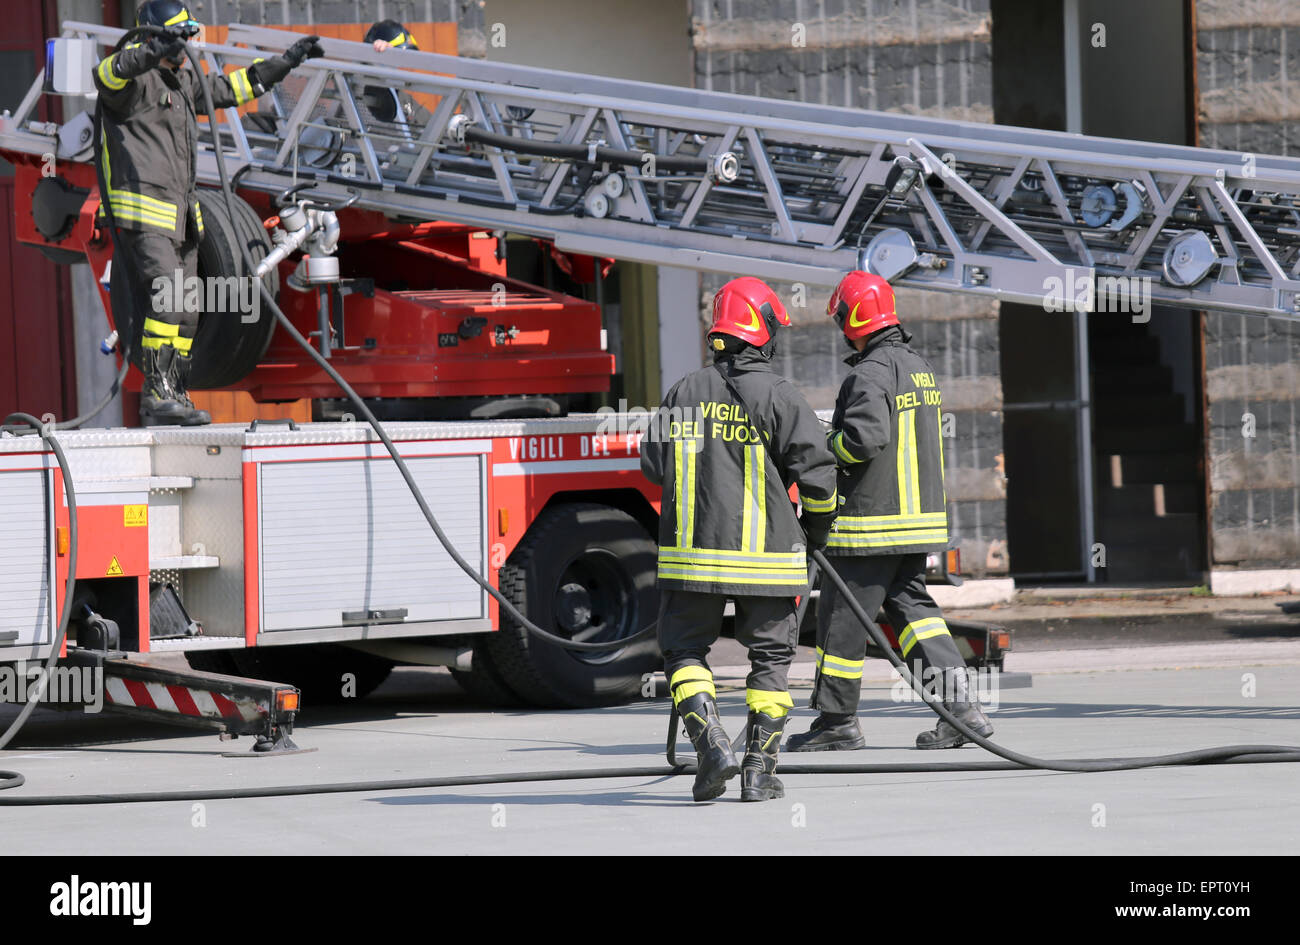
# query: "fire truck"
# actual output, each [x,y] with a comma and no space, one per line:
[376,190]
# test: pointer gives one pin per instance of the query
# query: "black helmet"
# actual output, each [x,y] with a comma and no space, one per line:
[165,13]
[393,33]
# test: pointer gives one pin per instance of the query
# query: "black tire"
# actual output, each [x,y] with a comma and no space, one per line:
[317,669]
[585,572]
[483,682]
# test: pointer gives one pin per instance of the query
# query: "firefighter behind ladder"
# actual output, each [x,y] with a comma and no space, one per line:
[147,150]
[726,446]
[886,437]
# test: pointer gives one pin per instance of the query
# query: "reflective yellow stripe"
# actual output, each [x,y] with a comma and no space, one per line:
[690,681]
[824,657]
[753,528]
[241,86]
[837,444]
[198,218]
[155,327]
[178,18]
[819,505]
[110,78]
[919,630]
[684,481]
[148,342]
[182,345]
[733,576]
[888,539]
[769,701]
[400,40]
[144,202]
[870,522]
[779,559]
[909,476]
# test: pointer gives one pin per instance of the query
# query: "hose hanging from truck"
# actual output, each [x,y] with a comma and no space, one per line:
[1231,754]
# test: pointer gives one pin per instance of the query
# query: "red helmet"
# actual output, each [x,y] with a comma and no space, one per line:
[746,308]
[862,304]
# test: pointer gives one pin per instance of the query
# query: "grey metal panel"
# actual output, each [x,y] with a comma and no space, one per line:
[346,535]
[211,524]
[25,560]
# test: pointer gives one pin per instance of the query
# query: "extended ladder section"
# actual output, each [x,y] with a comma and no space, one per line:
[784,190]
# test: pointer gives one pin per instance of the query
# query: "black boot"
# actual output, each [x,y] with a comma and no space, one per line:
[763,743]
[716,762]
[966,707]
[158,403]
[829,732]
[180,387]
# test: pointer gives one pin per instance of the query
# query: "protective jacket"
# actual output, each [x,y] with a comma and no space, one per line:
[886,437]
[150,137]
[727,524]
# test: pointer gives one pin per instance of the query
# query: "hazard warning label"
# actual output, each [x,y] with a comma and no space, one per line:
[114,568]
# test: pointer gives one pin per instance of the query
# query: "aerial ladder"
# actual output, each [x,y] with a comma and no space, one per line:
[388,160]
[726,183]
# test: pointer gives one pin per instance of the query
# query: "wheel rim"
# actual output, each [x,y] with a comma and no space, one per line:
[595,602]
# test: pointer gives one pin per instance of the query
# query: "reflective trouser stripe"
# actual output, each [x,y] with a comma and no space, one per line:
[111,79]
[182,344]
[919,630]
[684,454]
[838,666]
[753,528]
[909,476]
[155,327]
[775,704]
[690,681]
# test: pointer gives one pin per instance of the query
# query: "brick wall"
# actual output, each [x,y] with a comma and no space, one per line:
[1248,78]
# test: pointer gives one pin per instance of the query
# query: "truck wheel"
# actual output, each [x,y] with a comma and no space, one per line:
[585,572]
[317,669]
[483,682]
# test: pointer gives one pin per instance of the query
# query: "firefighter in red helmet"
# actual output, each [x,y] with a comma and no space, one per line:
[885,435]
[727,444]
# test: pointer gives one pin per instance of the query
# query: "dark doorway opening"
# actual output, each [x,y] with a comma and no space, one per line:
[1104,411]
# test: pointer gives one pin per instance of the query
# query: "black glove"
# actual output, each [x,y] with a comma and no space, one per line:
[306,48]
[138,60]
[267,72]
[817,529]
